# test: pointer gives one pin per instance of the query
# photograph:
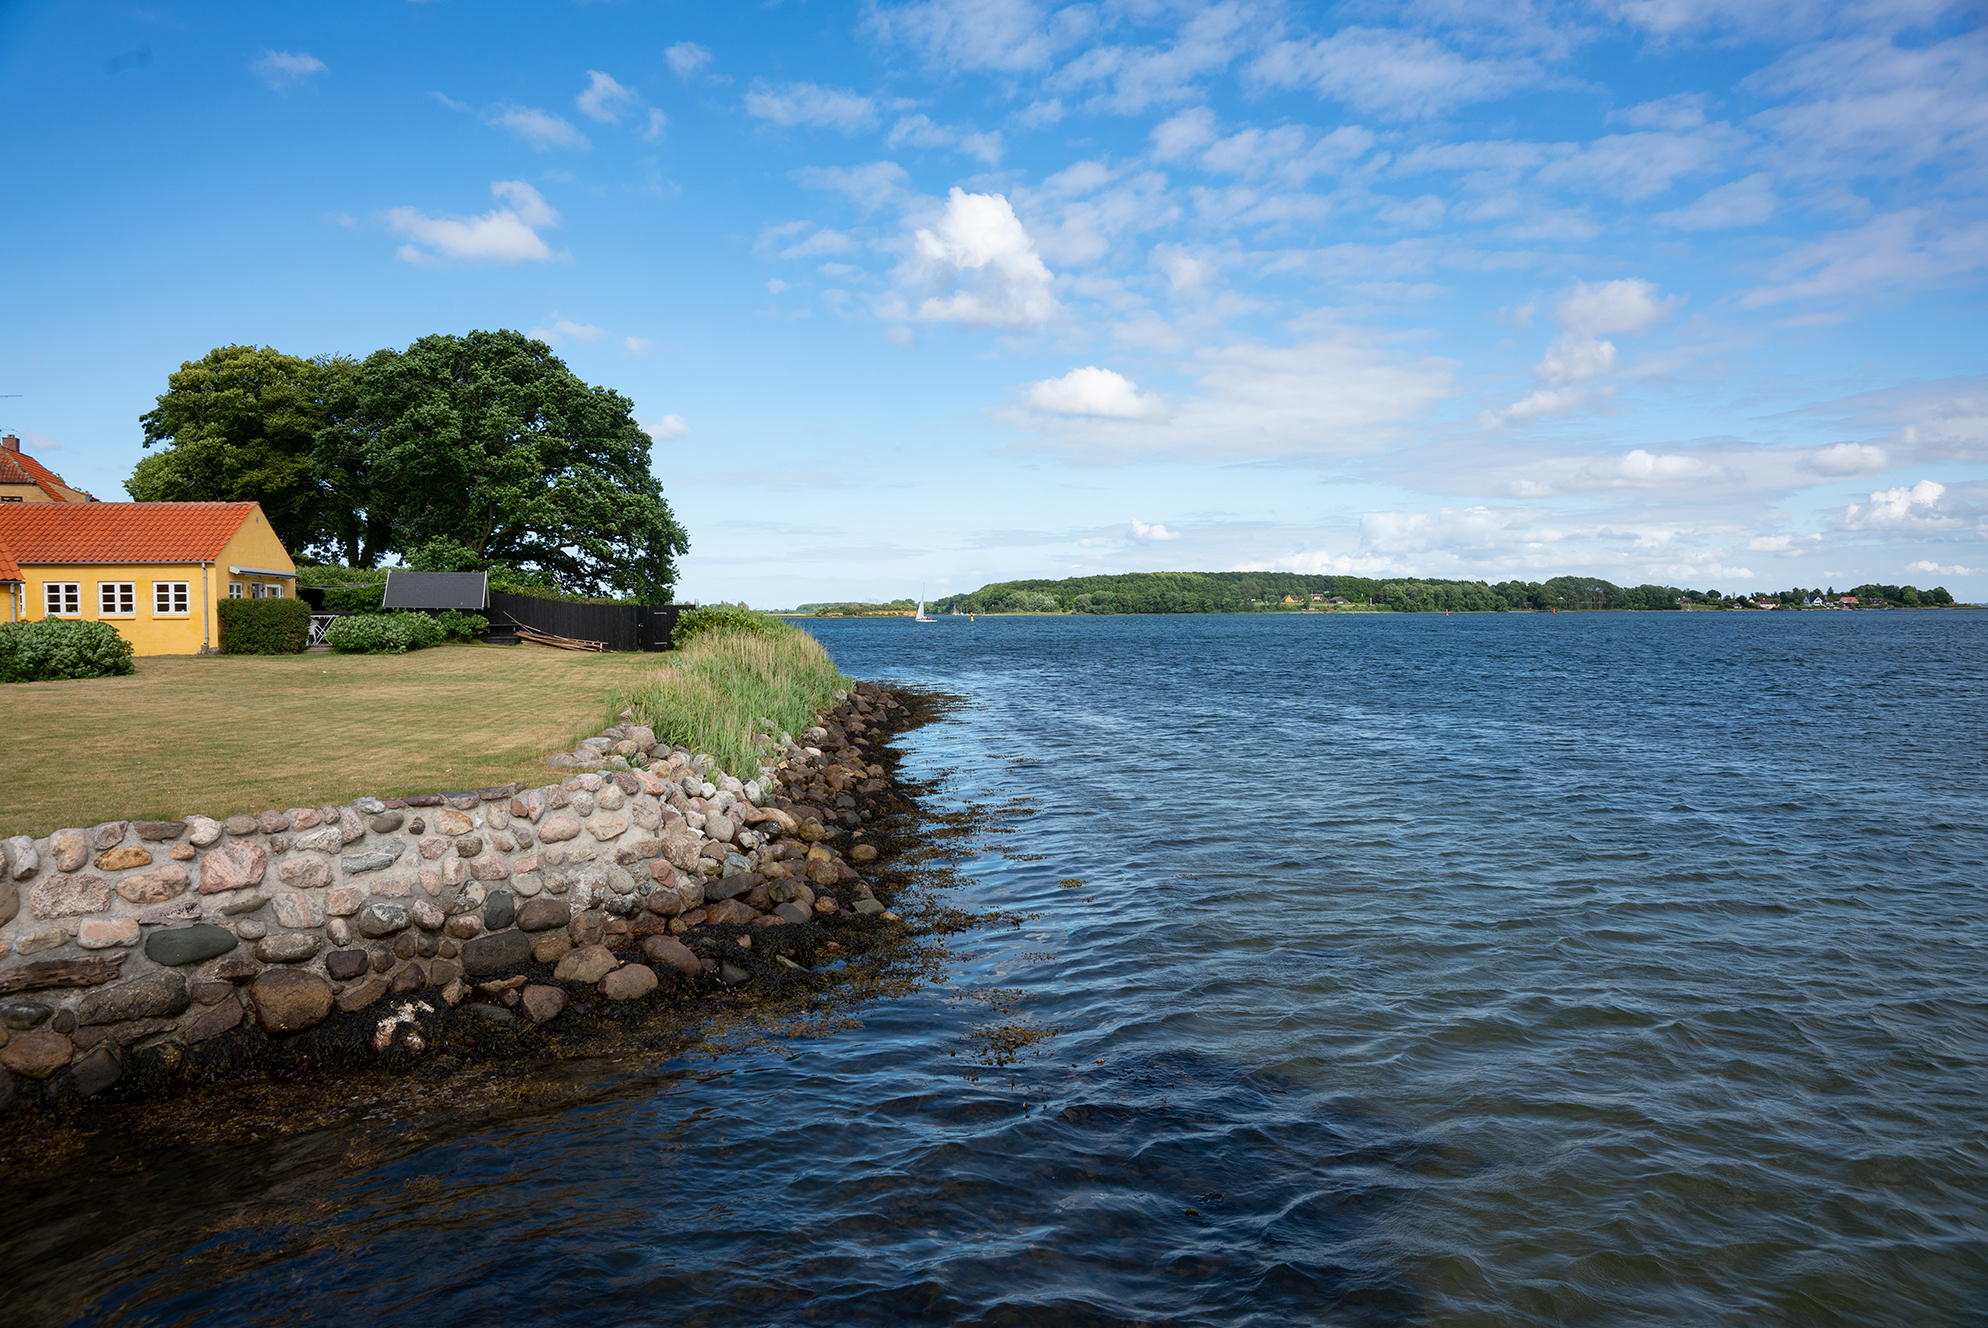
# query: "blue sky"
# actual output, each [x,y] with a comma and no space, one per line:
[919,296]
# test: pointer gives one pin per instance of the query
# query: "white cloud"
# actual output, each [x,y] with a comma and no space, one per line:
[1628,305]
[565,330]
[668,427]
[653,129]
[920,131]
[1323,395]
[791,104]
[1539,404]
[1094,391]
[1849,459]
[976,265]
[1142,531]
[1901,250]
[871,186]
[539,130]
[283,70]
[1134,78]
[503,235]
[1575,356]
[1937,569]
[1005,36]
[1917,508]
[637,345]
[901,337]
[606,100]
[1391,73]
[686,58]
[1746,202]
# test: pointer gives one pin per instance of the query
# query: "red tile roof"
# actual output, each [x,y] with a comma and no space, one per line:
[117,532]
[20,468]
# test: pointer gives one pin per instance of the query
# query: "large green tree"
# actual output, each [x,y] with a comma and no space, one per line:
[489,443]
[240,425]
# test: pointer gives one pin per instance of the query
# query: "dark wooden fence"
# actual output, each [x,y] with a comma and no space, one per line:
[622,626]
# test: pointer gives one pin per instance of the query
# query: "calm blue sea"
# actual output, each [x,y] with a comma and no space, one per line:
[1471,970]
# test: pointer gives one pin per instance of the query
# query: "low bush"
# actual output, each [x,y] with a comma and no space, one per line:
[264,626]
[56,648]
[712,695]
[383,633]
[459,626]
[723,618]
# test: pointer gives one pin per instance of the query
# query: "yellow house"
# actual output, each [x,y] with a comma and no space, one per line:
[25,480]
[154,571]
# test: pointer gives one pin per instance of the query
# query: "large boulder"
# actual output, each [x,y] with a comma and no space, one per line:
[629,983]
[543,914]
[589,963]
[37,1055]
[290,1000]
[672,953]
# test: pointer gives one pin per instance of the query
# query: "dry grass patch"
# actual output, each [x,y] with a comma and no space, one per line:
[228,733]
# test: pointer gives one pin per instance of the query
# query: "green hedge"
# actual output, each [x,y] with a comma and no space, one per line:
[57,648]
[383,633]
[264,626]
[355,599]
[722,618]
[459,626]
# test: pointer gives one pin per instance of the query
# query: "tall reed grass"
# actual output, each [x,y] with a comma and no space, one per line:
[709,695]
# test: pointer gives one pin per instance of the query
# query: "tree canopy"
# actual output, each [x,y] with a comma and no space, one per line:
[240,425]
[461,451]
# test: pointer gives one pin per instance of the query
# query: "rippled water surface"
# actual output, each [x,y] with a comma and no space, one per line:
[1567,969]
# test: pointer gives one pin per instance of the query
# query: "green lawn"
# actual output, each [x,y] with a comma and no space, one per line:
[225,734]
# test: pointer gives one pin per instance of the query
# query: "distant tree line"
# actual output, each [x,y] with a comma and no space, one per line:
[460,453]
[1259,592]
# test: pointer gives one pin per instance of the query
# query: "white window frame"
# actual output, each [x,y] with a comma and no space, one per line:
[55,594]
[169,592]
[117,599]
[234,590]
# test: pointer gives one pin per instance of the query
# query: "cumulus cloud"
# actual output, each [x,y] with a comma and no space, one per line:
[1584,312]
[1142,531]
[504,235]
[686,59]
[668,427]
[283,70]
[1094,391]
[977,266]
[1942,569]
[794,104]
[605,99]
[536,129]
[1390,73]
[1918,508]
[565,330]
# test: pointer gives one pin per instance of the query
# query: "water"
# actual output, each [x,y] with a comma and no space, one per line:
[1609,969]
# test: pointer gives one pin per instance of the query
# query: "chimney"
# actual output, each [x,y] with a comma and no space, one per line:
[11,443]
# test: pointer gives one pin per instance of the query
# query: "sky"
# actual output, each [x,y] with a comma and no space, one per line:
[917,296]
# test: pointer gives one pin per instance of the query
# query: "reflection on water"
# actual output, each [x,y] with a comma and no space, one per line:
[1475,970]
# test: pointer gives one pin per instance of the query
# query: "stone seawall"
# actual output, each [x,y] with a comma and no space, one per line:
[644,877]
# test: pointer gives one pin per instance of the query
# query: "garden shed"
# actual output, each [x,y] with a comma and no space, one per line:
[467,591]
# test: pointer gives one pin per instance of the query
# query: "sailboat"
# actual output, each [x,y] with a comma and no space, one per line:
[922,615]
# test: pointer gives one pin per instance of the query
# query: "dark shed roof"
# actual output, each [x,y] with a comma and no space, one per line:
[436,590]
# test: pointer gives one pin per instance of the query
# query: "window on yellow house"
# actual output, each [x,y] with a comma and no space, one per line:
[62,597]
[117,599]
[170,597]
[234,590]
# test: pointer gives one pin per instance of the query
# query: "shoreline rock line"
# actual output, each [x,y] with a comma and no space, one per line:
[140,956]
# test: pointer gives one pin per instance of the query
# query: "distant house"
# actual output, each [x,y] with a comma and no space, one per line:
[1293,599]
[25,480]
[1846,599]
[154,571]
[1338,599]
